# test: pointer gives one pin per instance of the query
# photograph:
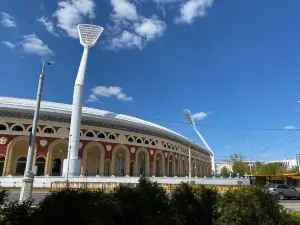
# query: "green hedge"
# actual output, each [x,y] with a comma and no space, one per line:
[148,204]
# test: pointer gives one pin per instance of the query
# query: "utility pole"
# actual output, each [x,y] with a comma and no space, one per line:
[26,190]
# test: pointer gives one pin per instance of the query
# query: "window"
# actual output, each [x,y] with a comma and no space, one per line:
[101,135]
[21,165]
[146,142]
[139,140]
[130,139]
[2,160]
[89,134]
[131,169]
[56,167]
[107,168]
[40,163]
[153,143]
[2,127]
[112,137]
[17,128]
[49,131]
[30,129]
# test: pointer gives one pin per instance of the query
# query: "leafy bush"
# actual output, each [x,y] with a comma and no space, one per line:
[194,204]
[15,213]
[249,205]
[145,203]
[76,207]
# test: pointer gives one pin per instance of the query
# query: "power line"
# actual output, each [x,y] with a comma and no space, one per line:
[268,142]
[264,150]
[273,147]
[222,127]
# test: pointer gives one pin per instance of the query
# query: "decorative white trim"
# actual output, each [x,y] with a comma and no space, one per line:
[3,140]
[80,145]
[108,147]
[151,152]
[166,154]
[43,142]
[132,150]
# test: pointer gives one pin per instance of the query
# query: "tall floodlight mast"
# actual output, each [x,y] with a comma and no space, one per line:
[188,116]
[88,34]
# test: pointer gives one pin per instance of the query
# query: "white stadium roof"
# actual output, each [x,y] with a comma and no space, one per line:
[60,108]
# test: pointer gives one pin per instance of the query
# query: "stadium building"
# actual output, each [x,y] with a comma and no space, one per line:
[110,143]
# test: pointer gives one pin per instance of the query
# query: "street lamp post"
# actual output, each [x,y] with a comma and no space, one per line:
[88,35]
[26,191]
[188,116]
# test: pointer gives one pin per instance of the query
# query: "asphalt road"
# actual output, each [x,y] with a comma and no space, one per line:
[293,204]
[37,197]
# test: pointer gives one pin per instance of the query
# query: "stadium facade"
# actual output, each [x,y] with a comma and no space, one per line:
[110,143]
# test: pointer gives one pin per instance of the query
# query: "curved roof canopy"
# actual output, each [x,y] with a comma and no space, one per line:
[105,116]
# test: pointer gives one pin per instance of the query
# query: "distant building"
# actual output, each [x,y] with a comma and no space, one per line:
[221,165]
[288,163]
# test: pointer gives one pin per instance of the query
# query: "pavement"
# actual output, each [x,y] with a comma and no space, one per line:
[38,196]
[293,204]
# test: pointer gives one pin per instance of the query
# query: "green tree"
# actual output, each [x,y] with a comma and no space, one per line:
[194,204]
[271,168]
[295,169]
[250,205]
[239,166]
[225,172]
[145,203]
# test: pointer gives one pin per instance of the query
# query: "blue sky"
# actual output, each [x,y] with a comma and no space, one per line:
[233,63]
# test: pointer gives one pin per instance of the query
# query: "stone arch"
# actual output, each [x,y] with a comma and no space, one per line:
[17,124]
[112,136]
[30,126]
[90,132]
[17,147]
[47,128]
[171,165]
[120,165]
[93,159]
[137,163]
[5,125]
[101,135]
[159,160]
[58,149]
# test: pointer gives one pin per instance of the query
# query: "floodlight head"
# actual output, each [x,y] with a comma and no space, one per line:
[89,34]
[188,116]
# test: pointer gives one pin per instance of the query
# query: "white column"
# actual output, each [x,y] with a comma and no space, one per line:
[72,168]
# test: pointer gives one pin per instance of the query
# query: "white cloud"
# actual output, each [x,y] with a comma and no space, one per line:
[9,44]
[150,28]
[49,25]
[200,115]
[290,127]
[193,9]
[126,40]
[167,1]
[71,12]
[103,91]
[33,45]
[124,9]
[130,30]
[7,20]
